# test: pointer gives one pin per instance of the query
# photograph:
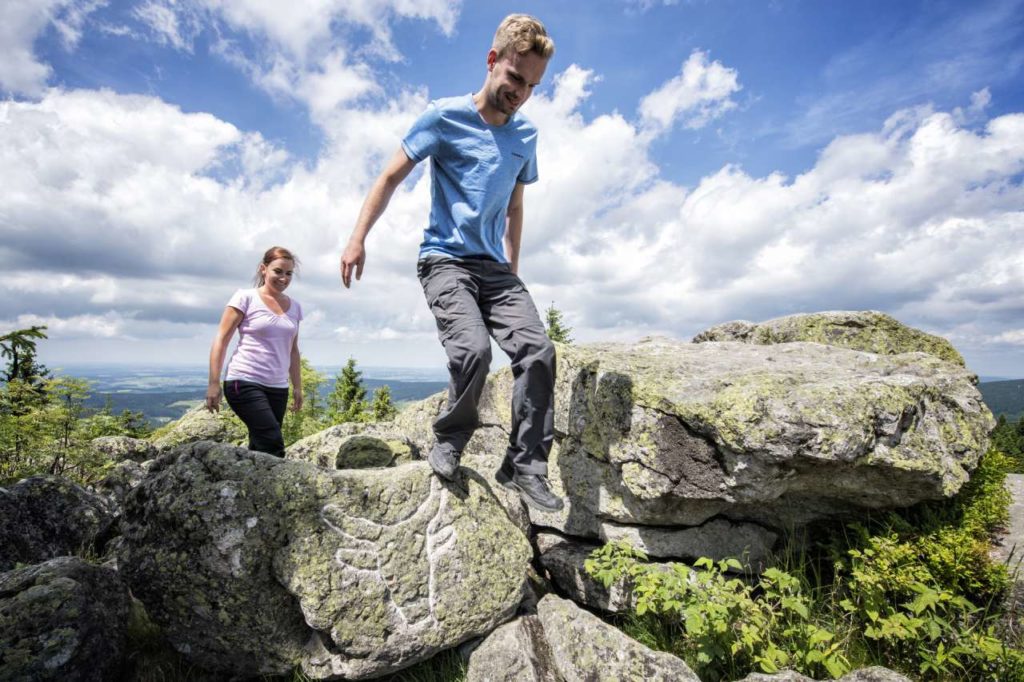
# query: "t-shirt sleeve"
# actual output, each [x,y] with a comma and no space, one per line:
[529,172]
[298,310]
[423,137]
[240,300]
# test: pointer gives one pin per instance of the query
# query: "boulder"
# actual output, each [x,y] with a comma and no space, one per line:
[585,648]
[120,480]
[865,330]
[200,424]
[564,558]
[120,448]
[62,620]
[254,564]
[668,433]
[515,652]
[45,516]
[355,446]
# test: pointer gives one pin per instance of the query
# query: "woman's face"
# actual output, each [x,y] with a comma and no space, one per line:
[278,274]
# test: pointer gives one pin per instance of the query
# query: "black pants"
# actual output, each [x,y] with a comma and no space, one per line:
[473,300]
[261,409]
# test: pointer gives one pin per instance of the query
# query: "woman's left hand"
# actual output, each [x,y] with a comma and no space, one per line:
[296,401]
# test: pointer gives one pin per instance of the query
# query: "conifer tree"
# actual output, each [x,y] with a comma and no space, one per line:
[347,402]
[556,327]
[382,408]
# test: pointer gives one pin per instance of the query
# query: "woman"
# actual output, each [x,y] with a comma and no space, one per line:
[256,385]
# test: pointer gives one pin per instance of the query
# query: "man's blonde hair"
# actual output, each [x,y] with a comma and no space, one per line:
[522,33]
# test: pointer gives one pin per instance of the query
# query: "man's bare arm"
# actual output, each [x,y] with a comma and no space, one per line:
[354,256]
[514,227]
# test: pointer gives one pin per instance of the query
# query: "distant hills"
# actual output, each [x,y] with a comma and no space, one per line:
[1004,397]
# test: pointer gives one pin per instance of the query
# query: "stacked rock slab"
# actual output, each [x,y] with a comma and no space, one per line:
[254,564]
[63,619]
[866,330]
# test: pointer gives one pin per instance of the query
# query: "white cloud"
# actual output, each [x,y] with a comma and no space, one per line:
[1014,337]
[165,22]
[699,94]
[105,326]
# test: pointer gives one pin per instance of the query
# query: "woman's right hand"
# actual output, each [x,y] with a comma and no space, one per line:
[213,398]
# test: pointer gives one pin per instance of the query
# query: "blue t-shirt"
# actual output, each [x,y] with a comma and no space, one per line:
[474,167]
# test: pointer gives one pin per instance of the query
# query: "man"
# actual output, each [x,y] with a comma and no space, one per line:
[483,154]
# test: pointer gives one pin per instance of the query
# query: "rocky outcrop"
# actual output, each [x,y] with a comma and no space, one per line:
[62,620]
[43,517]
[254,564]
[865,330]
[200,424]
[120,448]
[564,643]
[586,648]
[515,652]
[356,446]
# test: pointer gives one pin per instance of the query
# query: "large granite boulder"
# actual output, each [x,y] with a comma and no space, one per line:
[200,424]
[254,564]
[866,330]
[42,517]
[356,446]
[62,620]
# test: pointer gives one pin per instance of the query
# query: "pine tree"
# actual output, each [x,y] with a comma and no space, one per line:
[382,408]
[347,402]
[311,418]
[556,327]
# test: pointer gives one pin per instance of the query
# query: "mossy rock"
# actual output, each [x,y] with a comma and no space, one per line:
[865,330]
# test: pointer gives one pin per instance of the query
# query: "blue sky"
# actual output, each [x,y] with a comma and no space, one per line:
[700,162]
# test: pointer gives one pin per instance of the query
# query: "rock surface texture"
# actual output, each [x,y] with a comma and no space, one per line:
[62,620]
[515,652]
[120,448]
[43,517]
[586,649]
[254,564]
[200,424]
[866,330]
[355,446]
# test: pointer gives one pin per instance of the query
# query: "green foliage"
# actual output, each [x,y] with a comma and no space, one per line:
[914,592]
[728,626]
[383,408]
[556,327]
[44,424]
[1008,438]
[310,419]
[347,402]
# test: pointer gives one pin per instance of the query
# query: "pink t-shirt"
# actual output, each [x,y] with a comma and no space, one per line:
[265,341]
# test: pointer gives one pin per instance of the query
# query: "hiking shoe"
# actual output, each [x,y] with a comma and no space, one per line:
[444,460]
[532,488]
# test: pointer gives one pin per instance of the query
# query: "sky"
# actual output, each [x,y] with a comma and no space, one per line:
[700,161]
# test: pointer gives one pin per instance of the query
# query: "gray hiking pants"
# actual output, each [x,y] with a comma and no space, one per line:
[471,301]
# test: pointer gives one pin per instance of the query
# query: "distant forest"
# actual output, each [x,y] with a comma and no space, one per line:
[1004,397]
[161,407]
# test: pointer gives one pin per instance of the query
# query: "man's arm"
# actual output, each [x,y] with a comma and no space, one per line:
[394,173]
[514,227]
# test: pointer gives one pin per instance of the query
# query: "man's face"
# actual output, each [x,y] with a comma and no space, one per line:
[512,78]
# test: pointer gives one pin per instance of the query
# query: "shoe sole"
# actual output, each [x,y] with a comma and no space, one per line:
[509,484]
[446,476]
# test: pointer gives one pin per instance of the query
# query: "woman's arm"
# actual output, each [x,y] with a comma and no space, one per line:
[295,373]
[229,322]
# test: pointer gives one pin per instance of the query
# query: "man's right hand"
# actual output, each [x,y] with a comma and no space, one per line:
[352,260]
